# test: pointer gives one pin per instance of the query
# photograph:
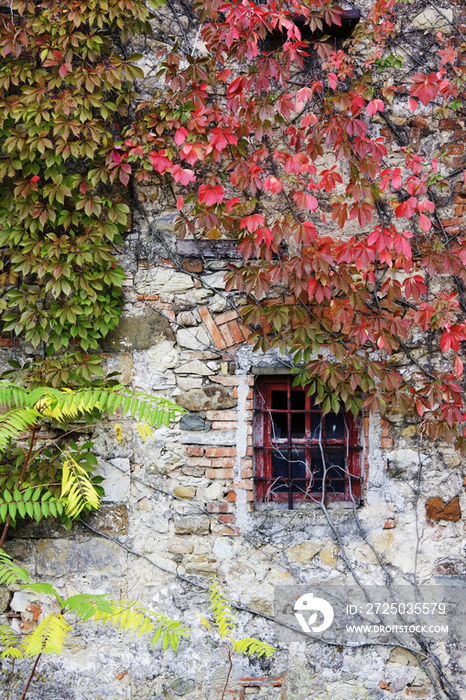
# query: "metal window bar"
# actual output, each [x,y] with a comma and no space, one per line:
[323,477]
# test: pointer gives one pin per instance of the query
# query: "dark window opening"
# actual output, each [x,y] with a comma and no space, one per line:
[301,455]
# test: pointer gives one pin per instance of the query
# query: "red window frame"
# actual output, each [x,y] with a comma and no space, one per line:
[292,441]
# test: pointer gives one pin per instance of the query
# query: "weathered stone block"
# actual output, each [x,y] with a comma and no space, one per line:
[182,687]
[138,332]
[162,281]
[192,422]
[116,484]
[110,519]
[5,597]
[50,528]
[194,367]
[217,437]
[65,557]
[185,492]
[191,525]
[209,398]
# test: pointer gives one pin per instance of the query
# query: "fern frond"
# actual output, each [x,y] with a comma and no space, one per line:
[48,637]
[8,639]
[132,617]
[7,635]
[86,605]
[77,487]
[250,645]
[222,609]
[150,409]
[13,396]
[43,589]
[10,572]
[11,653]
[15,423]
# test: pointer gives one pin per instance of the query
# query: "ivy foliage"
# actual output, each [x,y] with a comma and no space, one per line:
[65,89]
[52,631]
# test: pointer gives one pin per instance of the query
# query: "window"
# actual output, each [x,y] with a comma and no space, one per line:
[299,453]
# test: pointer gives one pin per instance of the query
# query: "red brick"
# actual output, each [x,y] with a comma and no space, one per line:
[211,327]
[198,462]
[220,451]
[223,463]
[6,342]
[217,507]
[459,210]
[227,518]
[231,497]
[192,265]
[455,149]
[221,415]
[417,692]
[249,495]
[224,425]
[195,451]
[453,230]
[386,442]
[448,124]
[148,297]
[227,316]
[246,473]
[219,473]
[225,381]
[227,335]
[245,484]
[246,331]
[236,331]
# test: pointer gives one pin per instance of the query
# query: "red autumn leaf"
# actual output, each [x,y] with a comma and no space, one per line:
[184,176]
[264,234]
[230,203]
[273,184]
[116,157]
[35,178]
[412,105]
[425,87]
[333,80]
[451,337]
[458,367]
[181,135]
[211,195]
[406,209]
[425,223]
[374,106]
[180,203]
[252,222]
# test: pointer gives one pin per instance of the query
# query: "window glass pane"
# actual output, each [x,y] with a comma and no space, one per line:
[279,400]
[279,426]
[298,400]
[279,472]
[298,425]
[316,426]
[316,468]
[335,426]
[335,470]
[298,466]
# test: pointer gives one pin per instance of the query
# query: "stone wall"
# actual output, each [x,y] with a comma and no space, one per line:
[180,509]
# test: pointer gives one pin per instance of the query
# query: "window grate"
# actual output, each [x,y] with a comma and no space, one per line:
[301,455]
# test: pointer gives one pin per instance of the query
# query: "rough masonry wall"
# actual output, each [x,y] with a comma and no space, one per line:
[180,509]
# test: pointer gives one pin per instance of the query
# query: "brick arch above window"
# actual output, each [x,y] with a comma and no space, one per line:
[299,454]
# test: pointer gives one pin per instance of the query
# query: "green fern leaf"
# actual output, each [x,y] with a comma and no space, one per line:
[48,637]
[10,572]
